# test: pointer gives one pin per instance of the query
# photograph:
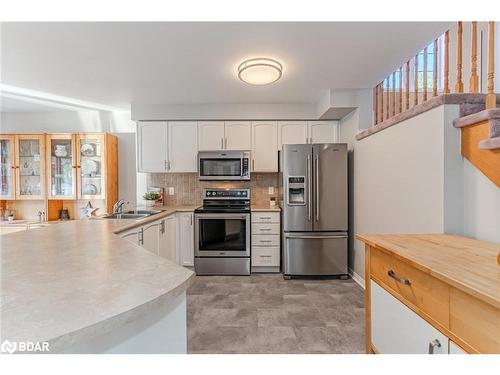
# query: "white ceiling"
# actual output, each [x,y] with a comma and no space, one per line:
[117,64]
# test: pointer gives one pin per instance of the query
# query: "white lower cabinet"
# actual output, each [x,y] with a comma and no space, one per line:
[395,329]
[150,237]
[171,237]
[266,250]
[167,247]
[185,238]
[455,349]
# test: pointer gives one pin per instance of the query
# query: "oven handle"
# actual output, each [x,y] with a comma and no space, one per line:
[222,215]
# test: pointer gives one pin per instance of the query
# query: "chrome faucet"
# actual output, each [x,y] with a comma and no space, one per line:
[118,206]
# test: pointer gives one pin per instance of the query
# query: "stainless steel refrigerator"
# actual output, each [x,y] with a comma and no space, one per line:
[315,209]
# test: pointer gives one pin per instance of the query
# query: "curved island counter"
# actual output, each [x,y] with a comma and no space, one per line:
[82,289]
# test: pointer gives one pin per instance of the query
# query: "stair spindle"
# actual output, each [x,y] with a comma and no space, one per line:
[400,106]
[435,70]
[388,100]
[381,101]
[474,78]
[407,85]
[415,99]
[446,70]
[459,86]
[424,80]
[393,111]
[375,105]
[491,100]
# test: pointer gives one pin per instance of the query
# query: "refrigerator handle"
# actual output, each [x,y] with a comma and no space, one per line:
[317,186]
[309,180]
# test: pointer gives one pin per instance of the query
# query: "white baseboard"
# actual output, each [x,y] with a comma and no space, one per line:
[358,279]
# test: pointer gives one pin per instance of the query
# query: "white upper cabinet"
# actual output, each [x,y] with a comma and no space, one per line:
[292,132]
[238,135]
[182,146]
[211,135]
[322,131]
[152,146]
[265,146]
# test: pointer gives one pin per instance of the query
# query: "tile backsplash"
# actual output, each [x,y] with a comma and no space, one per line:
[188,188]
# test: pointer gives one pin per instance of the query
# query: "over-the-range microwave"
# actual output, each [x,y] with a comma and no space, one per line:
[224,165]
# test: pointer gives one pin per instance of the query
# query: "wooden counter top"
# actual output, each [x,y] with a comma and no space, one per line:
[465,263]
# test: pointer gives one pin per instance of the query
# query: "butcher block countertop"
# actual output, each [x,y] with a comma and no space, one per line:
[465,263]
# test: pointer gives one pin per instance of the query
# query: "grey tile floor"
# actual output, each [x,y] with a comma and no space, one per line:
[266,314]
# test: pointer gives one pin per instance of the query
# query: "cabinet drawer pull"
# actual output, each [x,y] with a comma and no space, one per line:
[265,229]
[265,256]
[265,218]
[400,280]
[265,241]
[433,344]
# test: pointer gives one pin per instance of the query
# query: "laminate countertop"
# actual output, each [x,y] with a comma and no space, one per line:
[465,263]
[70,282]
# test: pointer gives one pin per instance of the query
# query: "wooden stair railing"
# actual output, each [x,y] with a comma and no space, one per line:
[426,84]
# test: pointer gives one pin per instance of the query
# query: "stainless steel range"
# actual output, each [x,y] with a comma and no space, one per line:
[222,233]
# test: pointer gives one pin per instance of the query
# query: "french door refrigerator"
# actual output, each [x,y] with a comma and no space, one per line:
[315,209]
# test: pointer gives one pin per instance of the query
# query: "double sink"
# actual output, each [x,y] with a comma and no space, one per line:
[132,214]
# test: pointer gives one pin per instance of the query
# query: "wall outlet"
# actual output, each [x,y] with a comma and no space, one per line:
[271,190]
[171,190]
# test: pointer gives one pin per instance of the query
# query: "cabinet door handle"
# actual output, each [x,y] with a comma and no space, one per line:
[141,237]
[225,143]
[400,280]
[222,143]
[253,164]
[166,165]
[433,344]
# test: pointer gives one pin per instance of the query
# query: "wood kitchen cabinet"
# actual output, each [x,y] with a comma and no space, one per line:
[22,167]
[265,146]
[62,166]
[7,167]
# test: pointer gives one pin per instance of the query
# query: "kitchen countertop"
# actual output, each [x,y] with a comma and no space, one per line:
[74,281]
[258,208]
[121,225]
[465,263]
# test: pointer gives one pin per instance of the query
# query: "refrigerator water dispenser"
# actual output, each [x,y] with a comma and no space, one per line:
[296,190]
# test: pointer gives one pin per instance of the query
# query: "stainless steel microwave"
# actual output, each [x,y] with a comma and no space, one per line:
[224,165]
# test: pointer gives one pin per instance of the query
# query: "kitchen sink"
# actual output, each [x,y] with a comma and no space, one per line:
[132,214]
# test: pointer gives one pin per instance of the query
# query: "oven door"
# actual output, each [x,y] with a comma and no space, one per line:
[222,235]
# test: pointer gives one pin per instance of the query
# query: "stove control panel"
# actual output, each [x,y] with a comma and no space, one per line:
[226,193]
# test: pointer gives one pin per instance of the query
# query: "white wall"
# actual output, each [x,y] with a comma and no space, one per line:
[119,124]
[405,179]
[481,205]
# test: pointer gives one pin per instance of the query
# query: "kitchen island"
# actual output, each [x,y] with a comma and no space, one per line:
[431,293]
[82,289]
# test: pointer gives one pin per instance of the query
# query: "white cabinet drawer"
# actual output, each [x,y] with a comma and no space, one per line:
[398,330]
[265,217]
[265,256]
[264,240]
[270,228]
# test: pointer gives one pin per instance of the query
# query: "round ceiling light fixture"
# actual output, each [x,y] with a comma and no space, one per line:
[260,71]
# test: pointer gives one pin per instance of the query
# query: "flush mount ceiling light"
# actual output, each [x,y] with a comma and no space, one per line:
[260,71]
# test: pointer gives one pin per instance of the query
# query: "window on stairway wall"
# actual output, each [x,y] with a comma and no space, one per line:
[388,82]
